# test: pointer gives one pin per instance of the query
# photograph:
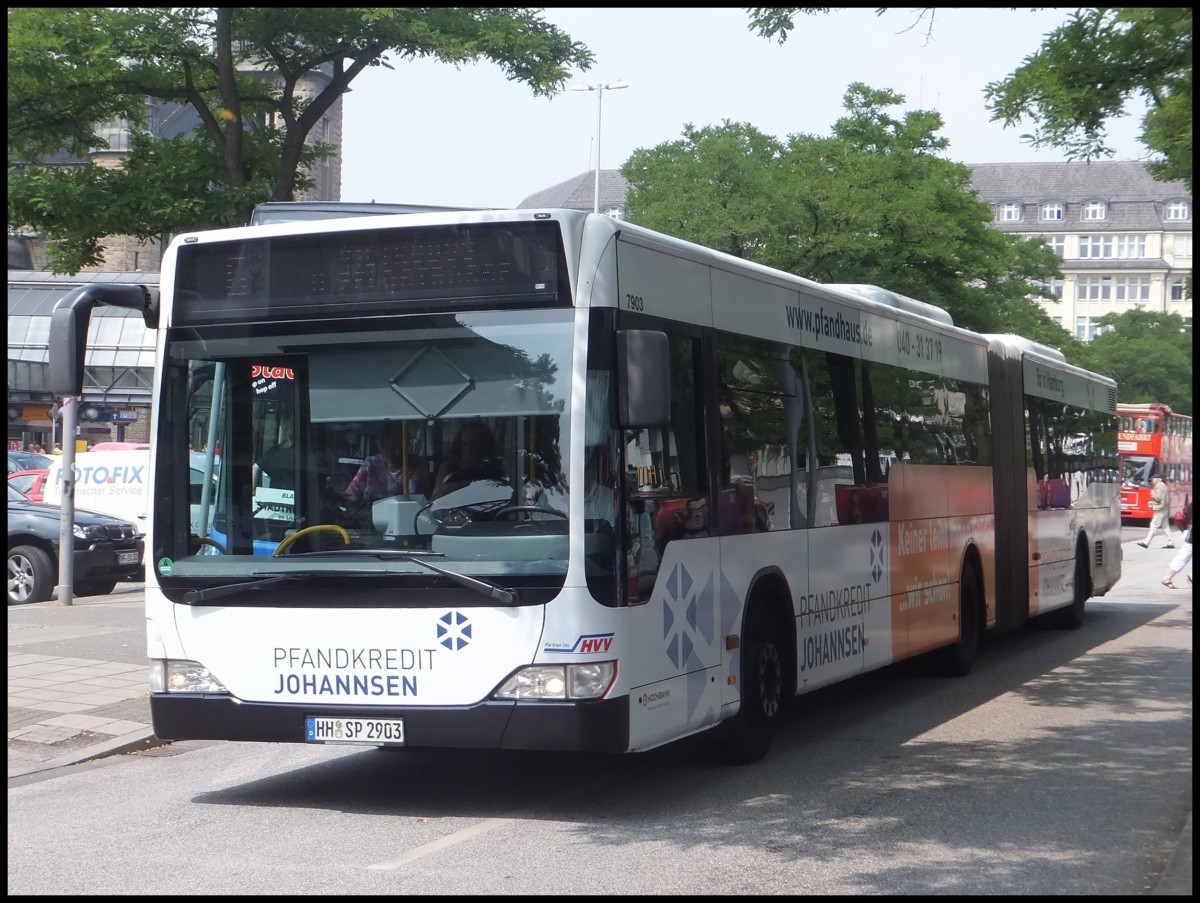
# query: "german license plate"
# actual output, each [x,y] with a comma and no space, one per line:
[367,731]
[127,557]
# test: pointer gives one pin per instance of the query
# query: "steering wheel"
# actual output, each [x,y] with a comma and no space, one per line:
[457,515]
[527,509]
[315,528]
[205,541]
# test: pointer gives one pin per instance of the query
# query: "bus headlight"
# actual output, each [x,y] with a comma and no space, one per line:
[181,676]
[588,680]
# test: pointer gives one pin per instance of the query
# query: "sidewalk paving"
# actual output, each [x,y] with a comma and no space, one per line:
[78,681]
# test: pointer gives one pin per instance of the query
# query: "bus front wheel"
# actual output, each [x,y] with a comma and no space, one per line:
[747,736]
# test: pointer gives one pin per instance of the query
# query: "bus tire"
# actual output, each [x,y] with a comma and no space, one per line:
[1071,617]
[958,659]
[747,735]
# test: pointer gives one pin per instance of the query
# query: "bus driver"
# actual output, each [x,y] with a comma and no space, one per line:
[472,457]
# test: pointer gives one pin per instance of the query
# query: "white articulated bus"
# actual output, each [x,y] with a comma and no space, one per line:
[703,486]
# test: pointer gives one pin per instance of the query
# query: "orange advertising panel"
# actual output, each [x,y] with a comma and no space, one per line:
[936,512]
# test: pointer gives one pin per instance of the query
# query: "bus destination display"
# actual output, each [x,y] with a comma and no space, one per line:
[393,270]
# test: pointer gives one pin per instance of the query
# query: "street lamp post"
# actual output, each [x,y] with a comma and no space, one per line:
[599,89]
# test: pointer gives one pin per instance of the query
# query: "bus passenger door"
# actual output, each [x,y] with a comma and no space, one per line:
[672,566]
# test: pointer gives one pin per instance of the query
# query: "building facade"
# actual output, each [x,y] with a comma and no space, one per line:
[1125,239]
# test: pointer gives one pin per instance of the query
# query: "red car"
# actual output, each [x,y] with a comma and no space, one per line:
[30,482]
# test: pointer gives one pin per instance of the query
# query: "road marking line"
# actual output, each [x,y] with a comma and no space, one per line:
[440,844]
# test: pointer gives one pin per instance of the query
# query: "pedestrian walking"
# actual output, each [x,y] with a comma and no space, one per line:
[1184,556]
[1160,504]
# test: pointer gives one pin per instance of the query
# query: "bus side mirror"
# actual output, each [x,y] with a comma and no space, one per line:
[644,378]
[68,335]
[69,328]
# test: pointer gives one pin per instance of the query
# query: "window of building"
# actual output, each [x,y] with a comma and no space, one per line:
[1058,243]
[1094,288]
[1095,246]
[1095,210]
[1130,247]
[1051,211]
[1179,289]
[1179,210]
[1123,247]
[1131,288]
[1183,245]
[1055,286]
[1088,328]
[1009,213]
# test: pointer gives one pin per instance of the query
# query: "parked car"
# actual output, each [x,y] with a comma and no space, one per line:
[107,549]
[30,482]
[19,460]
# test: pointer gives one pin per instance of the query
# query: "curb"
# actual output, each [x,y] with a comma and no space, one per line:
[133,742]
[1176,880]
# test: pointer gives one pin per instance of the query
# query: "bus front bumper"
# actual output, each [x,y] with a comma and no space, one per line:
[594,726]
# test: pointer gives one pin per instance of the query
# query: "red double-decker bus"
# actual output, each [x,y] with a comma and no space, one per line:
[1153,440]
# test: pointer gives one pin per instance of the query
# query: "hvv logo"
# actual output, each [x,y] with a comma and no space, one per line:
[587,644]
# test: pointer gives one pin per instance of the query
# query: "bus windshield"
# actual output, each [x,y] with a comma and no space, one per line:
[443,437]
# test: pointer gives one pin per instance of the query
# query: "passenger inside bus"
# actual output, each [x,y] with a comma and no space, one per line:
[277,466]
[382,475]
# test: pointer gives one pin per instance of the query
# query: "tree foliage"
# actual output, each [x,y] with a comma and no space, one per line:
[1088,69]
[871,203]
[1148,353]
[243,72]
[1082,76]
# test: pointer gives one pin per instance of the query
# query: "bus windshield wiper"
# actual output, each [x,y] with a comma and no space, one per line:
[494,591]
[196,596]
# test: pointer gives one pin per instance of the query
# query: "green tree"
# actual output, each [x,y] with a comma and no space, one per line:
[243,71]
[1082,76]
[1089,68]
[713,187]
[1148,353]
[872,203]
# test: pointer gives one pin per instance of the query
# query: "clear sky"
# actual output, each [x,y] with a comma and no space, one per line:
[425,133]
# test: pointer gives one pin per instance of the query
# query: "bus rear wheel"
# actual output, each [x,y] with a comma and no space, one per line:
[959,659]
[747,736]
[1071,617]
